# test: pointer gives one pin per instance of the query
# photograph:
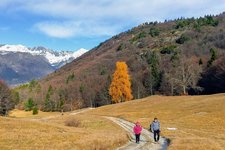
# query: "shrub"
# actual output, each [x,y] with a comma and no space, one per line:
[141,35]
[154,31]
[70,78]
[182,39]
[32,84]
[49,105]
[29,105]
[182,23]
[73,123]
[35,110]
[174,57]
[140,45]
[102,71]
[207,20]
[15,96]
[168,49]
[137,37]
[81,89]
[200,62]
[196,26]
[120,47]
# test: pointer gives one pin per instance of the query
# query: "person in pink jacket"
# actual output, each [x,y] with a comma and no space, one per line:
[137,131]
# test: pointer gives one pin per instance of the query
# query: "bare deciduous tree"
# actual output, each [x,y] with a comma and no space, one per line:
[180,76]
[187,74]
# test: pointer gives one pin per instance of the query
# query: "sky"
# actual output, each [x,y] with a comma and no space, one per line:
[75,24]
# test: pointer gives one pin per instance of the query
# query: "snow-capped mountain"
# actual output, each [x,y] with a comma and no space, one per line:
[55,58]
[20,64]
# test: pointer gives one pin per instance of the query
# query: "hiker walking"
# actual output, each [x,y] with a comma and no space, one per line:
[155,128]
[137,131]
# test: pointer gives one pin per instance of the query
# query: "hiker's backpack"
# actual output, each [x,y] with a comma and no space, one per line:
[150,127]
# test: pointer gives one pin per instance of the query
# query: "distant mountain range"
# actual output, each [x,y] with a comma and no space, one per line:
[20,64]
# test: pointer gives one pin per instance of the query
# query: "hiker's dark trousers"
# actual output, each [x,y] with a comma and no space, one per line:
[137,138]
[156,135]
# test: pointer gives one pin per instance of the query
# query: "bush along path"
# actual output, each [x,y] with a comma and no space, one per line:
[146,141]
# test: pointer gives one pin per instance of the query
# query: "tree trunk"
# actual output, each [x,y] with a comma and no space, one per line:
[138,94]
[151,89]
[91,103]
[71,105]
[172,89]
[183,78]
[184,90]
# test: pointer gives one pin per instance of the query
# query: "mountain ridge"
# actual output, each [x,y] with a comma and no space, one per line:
[20,64]
[52,56]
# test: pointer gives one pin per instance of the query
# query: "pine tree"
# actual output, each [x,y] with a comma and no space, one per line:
[153,81]
[200,62]
[213,57]
[29,104]
[120,88]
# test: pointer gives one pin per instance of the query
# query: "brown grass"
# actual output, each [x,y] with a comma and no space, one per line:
[72,123]
[29,114]
[50,133]
[200,120]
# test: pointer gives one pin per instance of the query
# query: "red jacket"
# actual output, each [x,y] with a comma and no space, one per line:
[137,129]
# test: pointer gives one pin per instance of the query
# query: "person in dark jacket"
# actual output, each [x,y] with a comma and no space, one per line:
[155,128]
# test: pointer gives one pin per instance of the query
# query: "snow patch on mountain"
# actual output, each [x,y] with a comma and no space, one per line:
[14,48]
[54,57]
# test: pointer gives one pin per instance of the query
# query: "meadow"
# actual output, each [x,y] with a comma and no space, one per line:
[199,120]
[199,123]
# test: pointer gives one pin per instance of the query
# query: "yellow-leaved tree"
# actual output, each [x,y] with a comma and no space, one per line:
[120,88]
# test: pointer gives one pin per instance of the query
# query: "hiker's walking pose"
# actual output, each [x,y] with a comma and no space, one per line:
[137,131]
[155,128]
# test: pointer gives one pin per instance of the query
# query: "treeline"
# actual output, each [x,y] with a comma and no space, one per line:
[165,73]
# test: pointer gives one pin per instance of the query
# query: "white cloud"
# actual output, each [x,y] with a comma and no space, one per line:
[68,18]
[55,29]
[122,9]
[75,29]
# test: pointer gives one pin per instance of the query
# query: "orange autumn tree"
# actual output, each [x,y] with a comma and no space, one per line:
[120,88]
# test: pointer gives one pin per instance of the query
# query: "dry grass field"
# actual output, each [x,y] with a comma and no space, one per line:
[53,131]
[200,123]
[28,114]
[200,120]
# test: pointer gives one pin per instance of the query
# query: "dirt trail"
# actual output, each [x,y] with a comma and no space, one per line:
[146,141]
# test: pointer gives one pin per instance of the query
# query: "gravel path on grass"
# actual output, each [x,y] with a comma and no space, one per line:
[146,140]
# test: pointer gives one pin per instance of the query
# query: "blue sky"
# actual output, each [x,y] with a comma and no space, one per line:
[74,24]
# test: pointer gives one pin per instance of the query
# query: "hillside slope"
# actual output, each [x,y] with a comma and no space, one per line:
[20,67]
[156,54]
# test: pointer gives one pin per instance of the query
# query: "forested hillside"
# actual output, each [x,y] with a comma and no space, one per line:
[179,57]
